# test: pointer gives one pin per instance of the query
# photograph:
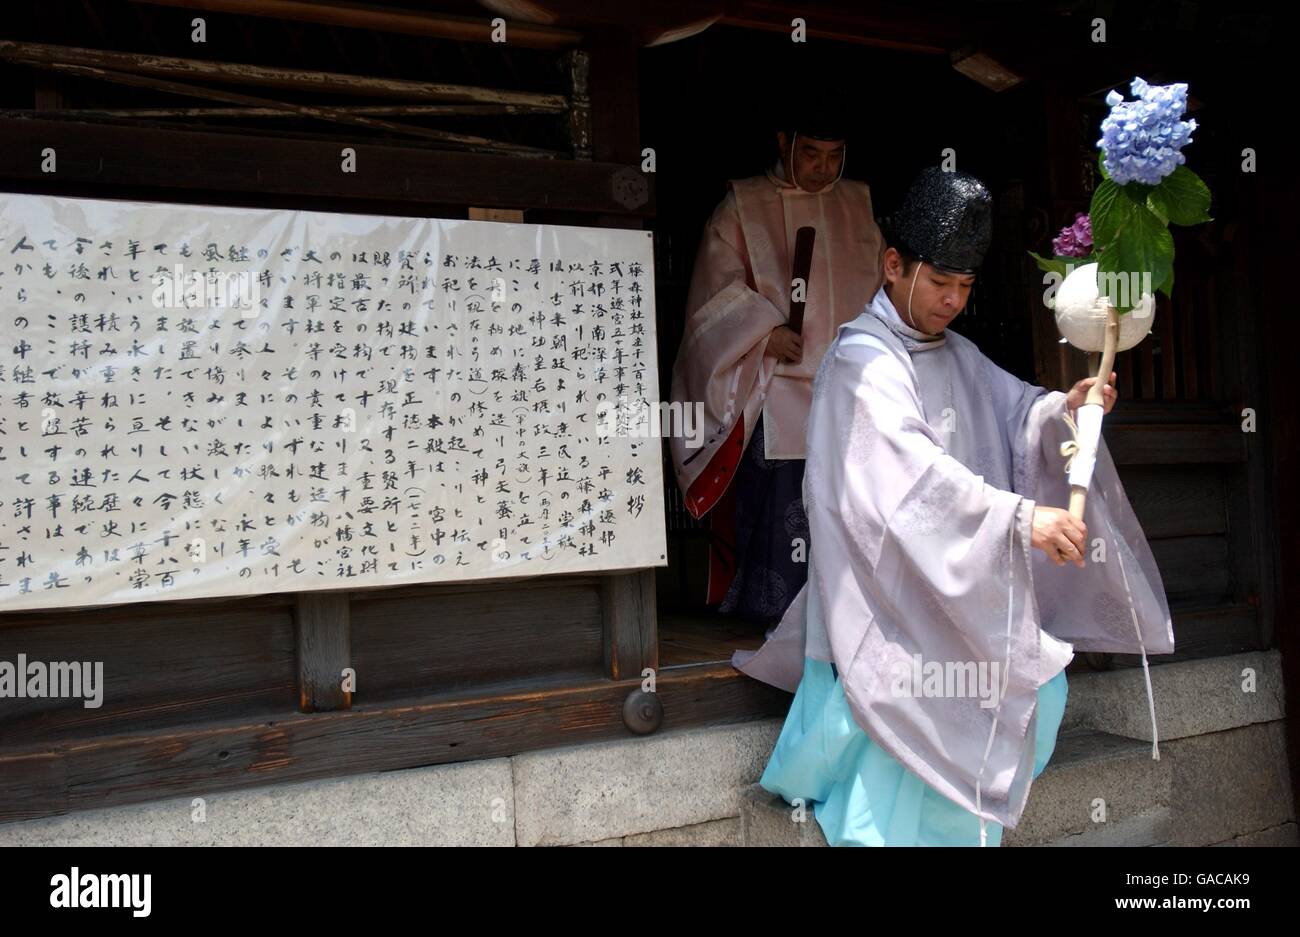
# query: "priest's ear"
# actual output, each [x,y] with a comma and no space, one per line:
[897,264]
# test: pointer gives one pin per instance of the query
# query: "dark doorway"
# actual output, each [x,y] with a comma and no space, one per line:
[710,109]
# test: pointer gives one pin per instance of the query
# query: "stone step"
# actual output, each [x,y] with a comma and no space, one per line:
[1192,698]
[1154,827]
[1086,766]
[767,820]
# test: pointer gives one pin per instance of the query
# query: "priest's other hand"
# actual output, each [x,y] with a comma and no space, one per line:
[785,344]
[1078,394]
[1060,535]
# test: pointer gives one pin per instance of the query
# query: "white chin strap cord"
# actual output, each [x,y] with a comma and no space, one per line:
[919,265]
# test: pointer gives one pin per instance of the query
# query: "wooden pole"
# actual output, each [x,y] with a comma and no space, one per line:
[803,251]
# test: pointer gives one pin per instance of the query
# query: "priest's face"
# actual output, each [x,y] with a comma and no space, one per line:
[937,297]
[816,162]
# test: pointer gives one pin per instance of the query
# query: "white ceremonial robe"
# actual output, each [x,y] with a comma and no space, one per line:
[925,462]
[740,292]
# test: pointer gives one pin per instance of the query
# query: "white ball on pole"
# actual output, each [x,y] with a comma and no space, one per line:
[1081,313]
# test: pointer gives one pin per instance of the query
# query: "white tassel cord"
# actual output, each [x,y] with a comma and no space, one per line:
[1006,677]
[1146,670]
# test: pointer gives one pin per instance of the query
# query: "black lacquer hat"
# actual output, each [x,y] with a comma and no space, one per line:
[946,220]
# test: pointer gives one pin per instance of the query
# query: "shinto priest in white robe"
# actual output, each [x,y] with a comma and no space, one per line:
[924,464]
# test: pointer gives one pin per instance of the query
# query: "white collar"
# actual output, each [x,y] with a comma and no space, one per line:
[912,339]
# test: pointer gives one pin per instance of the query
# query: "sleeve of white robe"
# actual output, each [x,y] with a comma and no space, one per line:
[720,359]
[1117,602]
[919,563]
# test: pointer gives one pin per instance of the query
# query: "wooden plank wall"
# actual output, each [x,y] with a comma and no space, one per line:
[210,695]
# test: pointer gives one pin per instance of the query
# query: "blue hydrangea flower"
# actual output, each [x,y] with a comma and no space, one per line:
[1143,139]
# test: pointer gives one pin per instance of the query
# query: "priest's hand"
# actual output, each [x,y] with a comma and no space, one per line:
[1078,394]
[1060,535]
[785,344]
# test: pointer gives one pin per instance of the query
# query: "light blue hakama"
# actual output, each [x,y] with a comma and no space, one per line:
[860,795]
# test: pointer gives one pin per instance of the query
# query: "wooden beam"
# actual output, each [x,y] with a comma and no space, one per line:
[32,53]
[98,155]
[317,112]
[507,215]
[323,627]
[39,790]
[378,110]
[387,19]
[654,22]
[885,25]
[133,768]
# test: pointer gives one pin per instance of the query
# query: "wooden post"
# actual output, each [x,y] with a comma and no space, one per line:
[631,628]
[323,628]
[578,67]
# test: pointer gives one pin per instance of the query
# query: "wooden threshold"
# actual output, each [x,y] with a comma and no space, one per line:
[127,768]
[689,640]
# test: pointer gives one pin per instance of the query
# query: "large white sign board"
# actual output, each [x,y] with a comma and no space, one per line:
[202,401]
